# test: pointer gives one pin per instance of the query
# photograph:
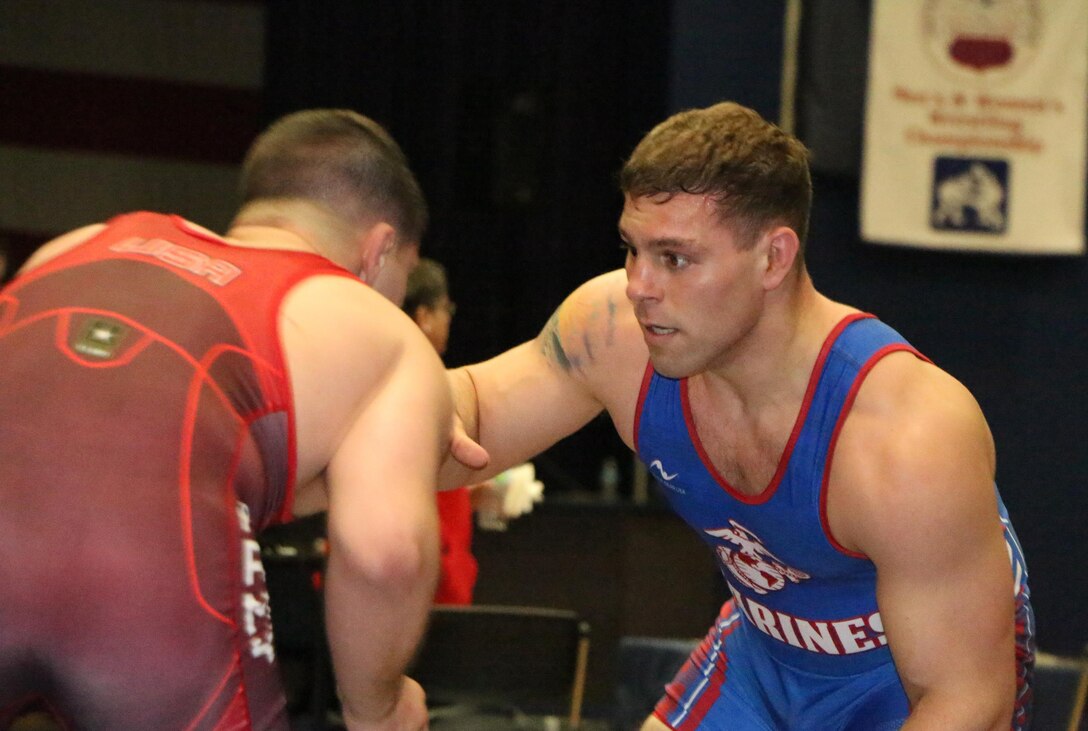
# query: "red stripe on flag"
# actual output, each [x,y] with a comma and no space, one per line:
[140,117]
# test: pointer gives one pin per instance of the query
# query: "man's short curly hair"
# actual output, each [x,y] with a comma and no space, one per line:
[757,174]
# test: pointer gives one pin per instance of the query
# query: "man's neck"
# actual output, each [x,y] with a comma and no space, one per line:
[270,236]
[294,226]
[774,360]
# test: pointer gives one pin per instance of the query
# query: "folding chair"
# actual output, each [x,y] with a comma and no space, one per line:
[646,665]
[1061,686]
[490,666]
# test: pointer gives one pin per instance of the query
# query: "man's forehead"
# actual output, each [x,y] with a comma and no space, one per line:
[678,219]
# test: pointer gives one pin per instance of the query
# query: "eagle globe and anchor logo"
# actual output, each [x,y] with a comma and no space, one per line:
[751,562]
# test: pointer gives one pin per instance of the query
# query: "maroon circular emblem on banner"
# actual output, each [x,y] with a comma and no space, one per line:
[986,40]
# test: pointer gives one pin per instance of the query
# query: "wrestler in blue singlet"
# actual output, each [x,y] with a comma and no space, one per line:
[801,644]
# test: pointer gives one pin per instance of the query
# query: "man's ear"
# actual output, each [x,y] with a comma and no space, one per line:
[782,247]
[375,244]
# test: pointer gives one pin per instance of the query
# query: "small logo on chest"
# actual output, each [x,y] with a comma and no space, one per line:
[750,562]
[661,473]
[100,337]
[657,469]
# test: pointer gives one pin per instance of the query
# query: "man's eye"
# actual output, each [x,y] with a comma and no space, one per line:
[674,261]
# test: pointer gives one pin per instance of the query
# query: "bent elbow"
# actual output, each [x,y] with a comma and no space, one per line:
[398,566]
[395,558]
[982,708]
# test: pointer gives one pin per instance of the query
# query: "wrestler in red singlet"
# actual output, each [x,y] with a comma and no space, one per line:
[147,436]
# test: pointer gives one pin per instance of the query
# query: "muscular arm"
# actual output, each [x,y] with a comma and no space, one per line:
[383,534]
[918,473]
[385,387]
[588,357]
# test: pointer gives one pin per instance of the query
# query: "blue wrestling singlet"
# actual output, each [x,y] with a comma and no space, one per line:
[801,645]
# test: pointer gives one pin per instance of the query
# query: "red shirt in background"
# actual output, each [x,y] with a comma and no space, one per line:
[458,568]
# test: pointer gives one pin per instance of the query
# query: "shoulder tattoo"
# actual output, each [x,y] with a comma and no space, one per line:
[586,333]
[552,345]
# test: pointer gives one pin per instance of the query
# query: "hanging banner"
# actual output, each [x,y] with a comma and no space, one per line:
[975,128]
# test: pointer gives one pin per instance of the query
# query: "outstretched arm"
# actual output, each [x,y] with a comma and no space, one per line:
[588,357]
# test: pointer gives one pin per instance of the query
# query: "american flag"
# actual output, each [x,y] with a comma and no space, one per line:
[115,105]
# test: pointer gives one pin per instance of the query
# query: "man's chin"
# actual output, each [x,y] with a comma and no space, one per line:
[670,368]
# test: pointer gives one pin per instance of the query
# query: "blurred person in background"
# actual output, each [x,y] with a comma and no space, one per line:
[495,501]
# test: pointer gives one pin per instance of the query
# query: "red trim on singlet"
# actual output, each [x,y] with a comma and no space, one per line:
[63,317]
[287,513]
[238,714]
[74,252]
[78,254]
[272,325]
[783,461]
[199,381]
[212,698]
[193,230]
[847,405]
[8,312]
[196,385]
[695,716]
[709,697]
[188,427]
[647,377]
